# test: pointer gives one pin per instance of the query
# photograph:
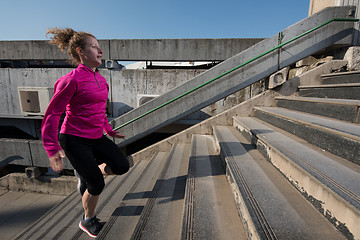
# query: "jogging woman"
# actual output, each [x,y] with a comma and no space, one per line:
[82,94]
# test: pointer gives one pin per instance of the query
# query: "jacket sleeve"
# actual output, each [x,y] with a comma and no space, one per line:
[64,90]
[107,127]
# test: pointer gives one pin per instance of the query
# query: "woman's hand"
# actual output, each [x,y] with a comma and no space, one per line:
[118,135]
[56,161]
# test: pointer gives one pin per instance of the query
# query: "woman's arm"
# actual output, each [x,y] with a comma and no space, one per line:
[64,89]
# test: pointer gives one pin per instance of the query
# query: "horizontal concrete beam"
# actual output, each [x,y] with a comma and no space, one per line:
[179,49]
[37,50]
[136,49]
[336,33]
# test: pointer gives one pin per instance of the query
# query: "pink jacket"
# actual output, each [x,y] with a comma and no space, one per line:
[83,94]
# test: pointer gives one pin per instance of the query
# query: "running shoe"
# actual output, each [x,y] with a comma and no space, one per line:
[81,186]
[92,226]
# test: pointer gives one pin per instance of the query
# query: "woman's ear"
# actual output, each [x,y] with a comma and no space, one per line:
[79,51]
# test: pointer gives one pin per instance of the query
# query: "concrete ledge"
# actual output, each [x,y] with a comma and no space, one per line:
[64,185]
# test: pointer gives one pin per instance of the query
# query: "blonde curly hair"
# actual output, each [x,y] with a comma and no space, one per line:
[69,39]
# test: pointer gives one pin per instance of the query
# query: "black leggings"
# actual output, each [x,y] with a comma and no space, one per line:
[86,154]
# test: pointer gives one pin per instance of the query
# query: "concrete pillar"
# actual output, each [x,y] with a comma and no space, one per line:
[317,5]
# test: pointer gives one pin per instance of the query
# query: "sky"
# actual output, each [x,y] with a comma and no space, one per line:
[155,19]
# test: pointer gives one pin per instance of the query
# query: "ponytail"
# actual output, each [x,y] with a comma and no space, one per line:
[69,39]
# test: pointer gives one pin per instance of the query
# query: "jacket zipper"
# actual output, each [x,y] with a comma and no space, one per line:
[96,80]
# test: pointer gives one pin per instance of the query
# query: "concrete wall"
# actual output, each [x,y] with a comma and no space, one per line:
[11,79]
[135,50]
[125,85]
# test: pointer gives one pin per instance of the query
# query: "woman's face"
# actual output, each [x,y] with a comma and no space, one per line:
[91,55]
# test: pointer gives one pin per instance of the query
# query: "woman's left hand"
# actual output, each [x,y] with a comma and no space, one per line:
[118,135]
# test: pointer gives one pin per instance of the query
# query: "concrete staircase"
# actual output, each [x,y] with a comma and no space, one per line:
[285,172]
[314,142]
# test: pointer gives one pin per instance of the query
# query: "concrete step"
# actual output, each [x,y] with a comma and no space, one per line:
[20,209]
[161,216]
[342,77]
[340,91]
[326,181]
[270,206]
[129,206]
[210,210]
[62,221]
[341,109]
[338,137]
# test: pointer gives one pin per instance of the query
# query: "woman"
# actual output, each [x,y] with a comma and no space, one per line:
[82,93]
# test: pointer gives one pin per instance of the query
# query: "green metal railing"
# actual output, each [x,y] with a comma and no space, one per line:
[241,65]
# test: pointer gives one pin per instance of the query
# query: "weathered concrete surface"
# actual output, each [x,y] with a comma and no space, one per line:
[136,49]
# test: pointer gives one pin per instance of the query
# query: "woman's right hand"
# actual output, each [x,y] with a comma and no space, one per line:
[56,161]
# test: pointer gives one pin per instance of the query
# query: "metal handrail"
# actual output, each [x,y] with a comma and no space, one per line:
[239,66]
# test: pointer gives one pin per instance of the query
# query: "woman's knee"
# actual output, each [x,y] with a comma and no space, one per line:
[96,189]
[121,168]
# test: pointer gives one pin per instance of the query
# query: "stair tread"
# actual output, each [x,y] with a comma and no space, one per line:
[162,216]
[28,207]
[128,209]
[322,100]
[287,212]
[62,221]
[352,130]
[329,169]
[331,85]
[342,74]
[212,212]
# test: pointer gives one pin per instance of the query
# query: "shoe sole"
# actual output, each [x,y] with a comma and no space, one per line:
[85,230]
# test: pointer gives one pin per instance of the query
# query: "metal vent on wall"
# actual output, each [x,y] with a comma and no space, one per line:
[34,100]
